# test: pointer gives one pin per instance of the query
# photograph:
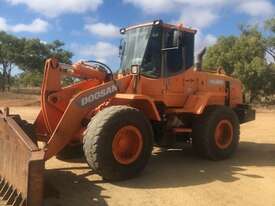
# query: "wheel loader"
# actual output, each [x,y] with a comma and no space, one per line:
[158,97]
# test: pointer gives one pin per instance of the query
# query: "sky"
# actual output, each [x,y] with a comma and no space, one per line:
[90,28]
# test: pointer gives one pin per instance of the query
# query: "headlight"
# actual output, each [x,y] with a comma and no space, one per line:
[135,69]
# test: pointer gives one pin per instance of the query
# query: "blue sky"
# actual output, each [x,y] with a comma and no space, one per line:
[90,27]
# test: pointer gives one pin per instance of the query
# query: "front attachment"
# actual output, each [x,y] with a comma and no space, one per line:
[21,165]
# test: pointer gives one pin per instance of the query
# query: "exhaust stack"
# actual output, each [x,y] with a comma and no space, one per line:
[200,59]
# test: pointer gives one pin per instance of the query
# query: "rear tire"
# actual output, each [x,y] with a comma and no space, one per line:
[118,142]
[216,133]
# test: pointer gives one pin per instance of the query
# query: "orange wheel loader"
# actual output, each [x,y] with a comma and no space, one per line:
[158,97]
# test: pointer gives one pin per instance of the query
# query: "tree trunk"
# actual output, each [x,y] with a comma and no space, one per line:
[1,83]
[4,77]
[253,96]
[9,77]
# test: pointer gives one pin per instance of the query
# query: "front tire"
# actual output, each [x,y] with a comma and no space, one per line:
[216,133]
[118,142]
[70,152]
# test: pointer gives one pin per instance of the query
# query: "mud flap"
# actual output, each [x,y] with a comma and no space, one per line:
[21,166]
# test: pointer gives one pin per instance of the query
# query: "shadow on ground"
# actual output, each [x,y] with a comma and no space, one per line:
[167,169]
[179,168]
[64,188]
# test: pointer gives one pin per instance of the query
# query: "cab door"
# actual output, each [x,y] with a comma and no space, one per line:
[151,81]
[174,67]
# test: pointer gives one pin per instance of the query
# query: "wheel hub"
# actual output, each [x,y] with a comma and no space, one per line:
[224,134]
[127,145]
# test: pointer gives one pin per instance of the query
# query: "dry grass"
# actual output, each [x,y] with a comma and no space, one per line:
[26,90]
[11,99]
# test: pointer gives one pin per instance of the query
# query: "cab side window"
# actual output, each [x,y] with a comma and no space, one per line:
[174,50]
[151,65]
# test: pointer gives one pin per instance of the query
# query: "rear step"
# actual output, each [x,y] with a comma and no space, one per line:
[21,165]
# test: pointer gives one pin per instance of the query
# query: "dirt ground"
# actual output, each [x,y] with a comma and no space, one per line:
[174,177]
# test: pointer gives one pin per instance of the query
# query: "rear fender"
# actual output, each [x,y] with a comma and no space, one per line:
[196,104]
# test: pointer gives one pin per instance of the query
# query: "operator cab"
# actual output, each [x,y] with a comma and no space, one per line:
[156,49]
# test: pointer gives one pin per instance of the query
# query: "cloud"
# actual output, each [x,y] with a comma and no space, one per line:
[53,8]
[203,41]
[201,2]
[203,13]
[3,24]
[204,19]
[257,8]
[210,40]
[101,51]
[194,13]
[161,6]
[37,26]
[103,30]
[152,6]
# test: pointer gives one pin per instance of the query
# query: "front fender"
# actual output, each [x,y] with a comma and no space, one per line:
[141,102]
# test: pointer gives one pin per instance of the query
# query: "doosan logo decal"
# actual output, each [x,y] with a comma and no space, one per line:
[216,82]
[95,96]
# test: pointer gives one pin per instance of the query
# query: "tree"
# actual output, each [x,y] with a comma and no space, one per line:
[244,57]
[10,50]
[35,53]
[221,54]
[270,40]
[33,59]
[29,79]
[29,55]
[57,51]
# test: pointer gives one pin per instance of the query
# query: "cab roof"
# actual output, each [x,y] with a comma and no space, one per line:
[179,27]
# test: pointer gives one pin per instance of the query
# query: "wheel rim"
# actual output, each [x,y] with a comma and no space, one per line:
[127,144]
[224,134]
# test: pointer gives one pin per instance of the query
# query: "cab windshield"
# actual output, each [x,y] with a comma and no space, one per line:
[142,46]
